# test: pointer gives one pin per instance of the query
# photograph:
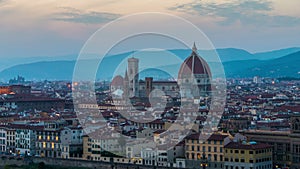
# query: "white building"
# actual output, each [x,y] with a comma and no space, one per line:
[11,140]
[134,148]
[71,142]
[149,156]
[3,141]
[25,139]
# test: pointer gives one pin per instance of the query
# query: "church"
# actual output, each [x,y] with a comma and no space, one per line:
[193,81]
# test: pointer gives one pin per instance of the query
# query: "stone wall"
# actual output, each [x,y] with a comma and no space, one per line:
[8,161]
[74,163]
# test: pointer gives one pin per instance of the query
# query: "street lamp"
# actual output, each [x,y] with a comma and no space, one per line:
[204,161]
[203,165]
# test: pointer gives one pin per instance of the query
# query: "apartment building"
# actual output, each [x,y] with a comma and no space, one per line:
[248,155]
[212,150]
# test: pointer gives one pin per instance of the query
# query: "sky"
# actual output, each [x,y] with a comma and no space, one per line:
[61,27]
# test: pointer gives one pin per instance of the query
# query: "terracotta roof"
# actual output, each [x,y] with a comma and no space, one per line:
[217,137]
[159,131]
[22,126]
[193,136]
[157,121]
[29,98]
[237,145]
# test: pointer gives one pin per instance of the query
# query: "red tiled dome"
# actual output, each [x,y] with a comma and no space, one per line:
[117,81]
[194,65]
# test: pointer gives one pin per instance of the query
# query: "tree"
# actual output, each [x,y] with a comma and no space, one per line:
[41,165]
[6,166]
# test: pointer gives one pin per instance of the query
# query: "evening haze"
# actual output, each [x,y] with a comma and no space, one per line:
[56,28]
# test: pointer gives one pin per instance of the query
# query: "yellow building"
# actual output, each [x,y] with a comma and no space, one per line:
[87,147]
[286,144]
[212,150]
[95,149]
[249,155]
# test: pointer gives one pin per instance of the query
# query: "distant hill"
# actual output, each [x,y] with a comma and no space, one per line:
[275,54]
[50,70]
[280,67]
[7,63]
[237,63]
[226,55]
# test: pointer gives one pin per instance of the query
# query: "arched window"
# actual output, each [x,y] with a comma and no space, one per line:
[180,164]
[296,124]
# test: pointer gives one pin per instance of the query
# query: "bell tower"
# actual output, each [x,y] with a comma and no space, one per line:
[133,76]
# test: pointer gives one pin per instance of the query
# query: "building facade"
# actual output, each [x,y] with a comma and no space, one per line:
[286,144]
[48,141]
[11,140]
[25,137]
[3,139]
[71,142]
[249,155]
[212,150]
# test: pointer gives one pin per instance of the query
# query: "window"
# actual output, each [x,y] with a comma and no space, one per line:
[215,157]
[250,152]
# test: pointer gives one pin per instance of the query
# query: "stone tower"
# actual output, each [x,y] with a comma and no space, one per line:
[126,86]
[133,76]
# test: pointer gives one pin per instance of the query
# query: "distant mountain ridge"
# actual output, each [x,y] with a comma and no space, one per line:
[276,53]
[236,62]
[280,67]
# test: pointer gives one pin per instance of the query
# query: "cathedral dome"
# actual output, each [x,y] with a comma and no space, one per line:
[117,81]
[195,65]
